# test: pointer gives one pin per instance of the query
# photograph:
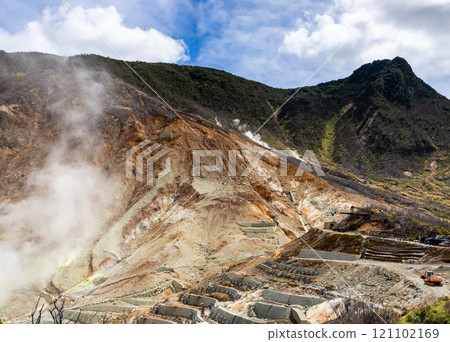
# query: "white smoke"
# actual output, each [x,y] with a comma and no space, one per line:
[69,195]
[218,123]
[236,123]
[291,153]
[256,138]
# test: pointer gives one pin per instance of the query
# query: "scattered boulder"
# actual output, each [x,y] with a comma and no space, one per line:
[166,134]
[329,225]
[143,224]
[325,311]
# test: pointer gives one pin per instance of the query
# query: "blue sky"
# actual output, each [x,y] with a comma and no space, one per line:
[280,43]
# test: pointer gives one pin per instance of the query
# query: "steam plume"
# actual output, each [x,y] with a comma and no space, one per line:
[69,195]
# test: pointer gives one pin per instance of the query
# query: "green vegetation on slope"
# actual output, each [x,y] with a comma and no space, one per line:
[330,135]
[396,122]
[207,92]
[400,222]
[436,313]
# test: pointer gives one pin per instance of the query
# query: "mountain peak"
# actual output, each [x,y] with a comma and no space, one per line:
[375,69]
[393,79]
[401,63]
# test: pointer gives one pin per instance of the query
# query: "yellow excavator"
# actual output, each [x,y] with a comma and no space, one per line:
[431,279]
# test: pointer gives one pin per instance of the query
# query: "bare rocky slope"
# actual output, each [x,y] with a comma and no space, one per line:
[132,246]
[379,122]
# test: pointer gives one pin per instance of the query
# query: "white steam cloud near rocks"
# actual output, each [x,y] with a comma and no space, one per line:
[256,138]
[236,123]
[218,123]
[68,197]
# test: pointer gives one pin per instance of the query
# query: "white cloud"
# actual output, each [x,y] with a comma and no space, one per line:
[281,43]
[406,29]
[243,37]
[62,32]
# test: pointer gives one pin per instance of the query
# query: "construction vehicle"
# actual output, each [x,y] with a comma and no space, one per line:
[431,279]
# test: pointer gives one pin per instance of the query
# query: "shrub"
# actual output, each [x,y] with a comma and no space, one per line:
[221,297]
[358,312]
[408,223]
[436,313]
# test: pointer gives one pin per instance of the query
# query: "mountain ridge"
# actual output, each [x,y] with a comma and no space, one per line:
[382,120]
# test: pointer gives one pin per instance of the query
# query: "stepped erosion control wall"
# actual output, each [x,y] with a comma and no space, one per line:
[196,300]
[179,311]
[313,254]
[291,299]
[277,312]
[272,311]
[261,227]
[259,224]
[223,316]
[240,281]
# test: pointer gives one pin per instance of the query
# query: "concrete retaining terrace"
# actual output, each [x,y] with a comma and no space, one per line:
[85,317]
[285,274]
[260,230]
[223,316]
[257,230]
[310,254]
[178,311]
[152,291]
[291,299]
[192,299]
[108,308]
[93,318]
[240,281]
[139,301]
[156,321]
[271,311]
[257,224]
[395,254]
[224,289]
[291,268]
